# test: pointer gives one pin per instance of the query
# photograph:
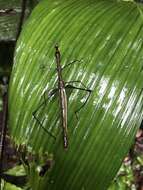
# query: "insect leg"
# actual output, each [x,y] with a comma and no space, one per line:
[72,62]
[50,94]
[43,104]
[79,88]
[43,67]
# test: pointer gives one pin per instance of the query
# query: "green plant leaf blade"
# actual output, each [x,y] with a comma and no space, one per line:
[107,37]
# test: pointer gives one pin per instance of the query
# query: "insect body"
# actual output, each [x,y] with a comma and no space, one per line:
[62,98]
[62,87]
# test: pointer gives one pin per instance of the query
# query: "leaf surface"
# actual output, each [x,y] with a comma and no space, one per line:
[106,37]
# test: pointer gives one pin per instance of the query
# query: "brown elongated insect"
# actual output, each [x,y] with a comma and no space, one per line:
[62,98]
[61,89]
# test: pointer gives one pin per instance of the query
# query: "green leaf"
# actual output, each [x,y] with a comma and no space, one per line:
[107,37]
[16,171]
[8,186]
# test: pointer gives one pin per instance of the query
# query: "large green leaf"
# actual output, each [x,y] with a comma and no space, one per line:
[107,37]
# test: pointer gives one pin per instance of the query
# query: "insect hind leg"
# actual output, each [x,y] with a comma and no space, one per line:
[42,105]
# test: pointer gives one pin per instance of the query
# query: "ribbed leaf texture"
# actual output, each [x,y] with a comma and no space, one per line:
[107,39]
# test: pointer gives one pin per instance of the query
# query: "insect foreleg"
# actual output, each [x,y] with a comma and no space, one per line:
[72,62]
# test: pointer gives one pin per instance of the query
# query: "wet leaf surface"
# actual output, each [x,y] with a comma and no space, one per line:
[107,36]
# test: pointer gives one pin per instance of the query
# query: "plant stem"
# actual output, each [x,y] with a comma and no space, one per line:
[4,126]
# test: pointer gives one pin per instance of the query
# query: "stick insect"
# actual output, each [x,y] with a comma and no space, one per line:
[61,89]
